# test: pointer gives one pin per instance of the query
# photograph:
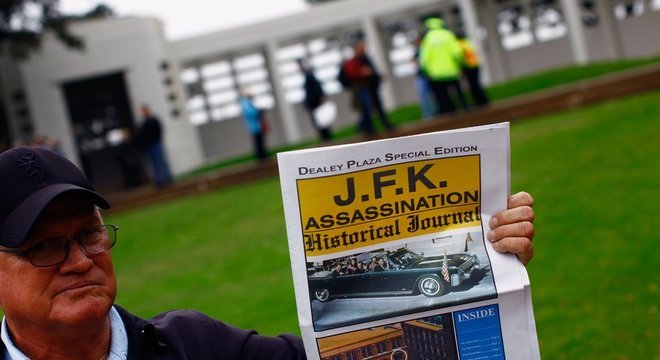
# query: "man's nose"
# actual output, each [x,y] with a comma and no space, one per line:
[76,259]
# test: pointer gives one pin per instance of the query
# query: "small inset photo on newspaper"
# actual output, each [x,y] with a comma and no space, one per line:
[405,278]
[416,339]
[473,333]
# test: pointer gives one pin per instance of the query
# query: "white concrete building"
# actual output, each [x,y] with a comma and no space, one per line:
[82,98]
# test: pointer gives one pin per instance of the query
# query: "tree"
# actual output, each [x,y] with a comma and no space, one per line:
[23,22]
[22,25]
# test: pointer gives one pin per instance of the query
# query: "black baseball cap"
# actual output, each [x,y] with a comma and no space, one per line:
[30,178]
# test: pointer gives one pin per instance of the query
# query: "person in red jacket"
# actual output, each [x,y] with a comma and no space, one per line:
[364,82]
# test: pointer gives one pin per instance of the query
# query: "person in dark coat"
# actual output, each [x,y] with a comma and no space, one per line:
[150,140]
[314,97]
[58,281]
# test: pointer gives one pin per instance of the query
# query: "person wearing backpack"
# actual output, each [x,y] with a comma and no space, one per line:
[314,98]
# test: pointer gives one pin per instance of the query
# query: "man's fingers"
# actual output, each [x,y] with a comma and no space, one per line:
[520,199]
[524,229]
[518,214]
[521,246]
[513,229]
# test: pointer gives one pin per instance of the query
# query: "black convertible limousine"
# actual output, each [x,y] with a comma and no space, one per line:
[403,273]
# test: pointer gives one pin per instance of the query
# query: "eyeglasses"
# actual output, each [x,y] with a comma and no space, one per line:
[50,252]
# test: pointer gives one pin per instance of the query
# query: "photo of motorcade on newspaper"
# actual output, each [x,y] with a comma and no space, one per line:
[428,274]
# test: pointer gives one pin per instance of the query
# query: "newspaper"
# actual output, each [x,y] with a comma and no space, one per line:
[388,253]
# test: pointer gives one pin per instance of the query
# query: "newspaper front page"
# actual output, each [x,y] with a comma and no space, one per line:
[388,249]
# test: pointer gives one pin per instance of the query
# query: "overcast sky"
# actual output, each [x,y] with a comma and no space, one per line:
[185,18]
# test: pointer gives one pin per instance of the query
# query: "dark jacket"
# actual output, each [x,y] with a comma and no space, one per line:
[150,132]
[313,91]
[184,335]
[192,335]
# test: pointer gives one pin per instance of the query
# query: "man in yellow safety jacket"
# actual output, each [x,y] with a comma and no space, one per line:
[441,59]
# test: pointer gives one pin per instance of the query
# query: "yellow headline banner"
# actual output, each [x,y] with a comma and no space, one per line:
[378,205]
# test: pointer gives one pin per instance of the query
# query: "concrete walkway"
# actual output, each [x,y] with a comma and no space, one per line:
[557,99]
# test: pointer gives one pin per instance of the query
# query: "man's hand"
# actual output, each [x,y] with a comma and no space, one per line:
[513,229]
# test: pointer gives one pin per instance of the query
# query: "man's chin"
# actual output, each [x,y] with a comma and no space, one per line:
[84,311]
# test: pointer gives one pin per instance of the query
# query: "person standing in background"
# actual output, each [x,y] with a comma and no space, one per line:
[254,122]
[426,101]
[441,58]
[365,84]
[471,69]
[314,97]
[150,140]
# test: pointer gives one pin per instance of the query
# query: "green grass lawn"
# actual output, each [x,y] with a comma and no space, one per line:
[595,278]
[564,75]
[594,173]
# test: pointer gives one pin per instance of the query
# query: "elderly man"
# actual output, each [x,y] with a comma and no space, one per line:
[58,284]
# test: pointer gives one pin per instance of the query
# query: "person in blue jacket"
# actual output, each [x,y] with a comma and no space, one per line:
[256,126]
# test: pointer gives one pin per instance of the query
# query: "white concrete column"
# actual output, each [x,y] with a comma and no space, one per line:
[528,10]
[9,81]
[576,33]
[610,26]
[497,55]
[471,21]
[379,56]
[181,137]
[288,116]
